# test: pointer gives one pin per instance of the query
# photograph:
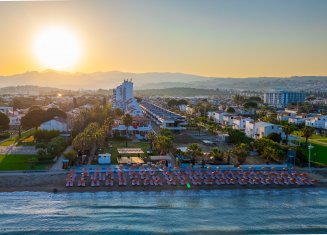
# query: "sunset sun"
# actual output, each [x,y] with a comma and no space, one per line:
[57,48]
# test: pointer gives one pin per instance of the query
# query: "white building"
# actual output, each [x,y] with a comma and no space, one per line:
[218,116]
[239,123]
[262,129]
[14,120]
[6,110]
[123,98]
[58,124]
[228,119]
[319,122]
[182,108]
[164,118]
[297,120]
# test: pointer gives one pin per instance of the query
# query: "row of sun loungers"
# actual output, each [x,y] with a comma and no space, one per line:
[153,176]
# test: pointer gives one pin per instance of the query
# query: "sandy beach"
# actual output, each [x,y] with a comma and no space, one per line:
[55,182]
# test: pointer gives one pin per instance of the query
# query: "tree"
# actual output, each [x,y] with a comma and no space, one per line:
[45,135]
[34,107]
[194,150]
[274,137]
[70,155]
[127,120]
[108,124]
[163,144]
[118,112]
[265,145]
[238,99]
[230,110]
[307,133]
[250,105]
[238,137]
[56,146]
[151,136]
[75,105]
[42,155]
[33,119]
[82,142]
[287,129]
[166,132]
[4,122]
[54,112]
[216,154]
[255,99]
[241,152]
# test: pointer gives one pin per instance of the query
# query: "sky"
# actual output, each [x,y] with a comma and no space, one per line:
[227,38]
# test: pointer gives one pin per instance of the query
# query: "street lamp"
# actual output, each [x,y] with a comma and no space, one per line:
[309,148]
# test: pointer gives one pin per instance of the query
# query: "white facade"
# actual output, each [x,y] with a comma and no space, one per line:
[15,120]
[228,119]
[182,108]
[319,122]
[297,120]
[218,116]
[54,124]
[239,123]
[6,110]
[262,129]
[123,99]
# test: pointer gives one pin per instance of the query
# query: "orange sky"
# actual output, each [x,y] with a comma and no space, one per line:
[215,38]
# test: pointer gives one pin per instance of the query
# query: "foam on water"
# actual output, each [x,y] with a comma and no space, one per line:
[220,211]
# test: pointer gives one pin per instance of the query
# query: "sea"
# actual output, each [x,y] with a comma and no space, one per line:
[243,211]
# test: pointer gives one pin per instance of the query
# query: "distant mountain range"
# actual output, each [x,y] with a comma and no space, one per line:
[109,80]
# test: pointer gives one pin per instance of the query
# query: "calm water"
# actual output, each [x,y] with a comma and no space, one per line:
[224,212]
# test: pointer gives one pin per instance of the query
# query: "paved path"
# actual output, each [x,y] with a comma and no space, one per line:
[57,166]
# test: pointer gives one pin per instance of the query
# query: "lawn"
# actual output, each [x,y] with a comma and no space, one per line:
[17,139]
[20,162]
[122,144]
[318,153]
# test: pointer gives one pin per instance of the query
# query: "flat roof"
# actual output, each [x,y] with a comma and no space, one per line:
[130,151]
[126,160]
[159,158]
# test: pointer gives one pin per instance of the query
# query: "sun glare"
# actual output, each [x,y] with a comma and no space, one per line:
[57,48]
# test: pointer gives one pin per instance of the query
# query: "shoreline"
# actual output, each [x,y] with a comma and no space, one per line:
[63,189]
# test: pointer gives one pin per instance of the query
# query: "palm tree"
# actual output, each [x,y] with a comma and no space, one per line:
[307,133]
[241,152]
[108,123]
[163,144]
[216,154]
[287,130]
[151,136]
[194,150]
[127,120]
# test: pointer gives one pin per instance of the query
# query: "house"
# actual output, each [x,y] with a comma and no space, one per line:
[297,120]
[182,108]
[6,110]
[262,129]
[228,119]
[14,120]
[284,115]
[218,116]
[240,122]
[318,122]
[189,110]
[58,124]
